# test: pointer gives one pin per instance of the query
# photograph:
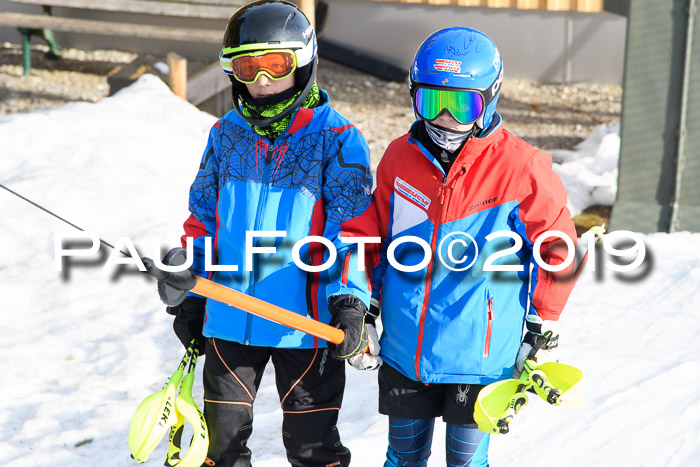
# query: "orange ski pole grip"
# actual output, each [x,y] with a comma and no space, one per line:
[266,310]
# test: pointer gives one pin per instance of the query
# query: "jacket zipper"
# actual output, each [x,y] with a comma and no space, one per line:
[429,274]
[428,279]
[449,197]
[489,323]
[258,220]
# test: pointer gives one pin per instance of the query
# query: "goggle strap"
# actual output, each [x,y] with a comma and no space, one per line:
[493,90]
[306,53]
[226,64]
[241,49]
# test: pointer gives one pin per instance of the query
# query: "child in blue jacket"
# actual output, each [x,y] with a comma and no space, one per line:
[281,167]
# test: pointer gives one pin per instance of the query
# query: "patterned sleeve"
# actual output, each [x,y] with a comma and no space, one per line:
[204,194]
[346,195]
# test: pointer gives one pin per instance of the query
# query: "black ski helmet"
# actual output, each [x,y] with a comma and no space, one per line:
[269,25]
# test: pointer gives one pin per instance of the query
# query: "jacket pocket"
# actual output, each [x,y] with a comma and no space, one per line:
[489,323]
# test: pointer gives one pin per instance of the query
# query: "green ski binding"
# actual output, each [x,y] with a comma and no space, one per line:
[498,403]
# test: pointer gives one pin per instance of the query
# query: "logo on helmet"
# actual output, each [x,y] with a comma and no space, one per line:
[497,84]
[307,33]
[443,64]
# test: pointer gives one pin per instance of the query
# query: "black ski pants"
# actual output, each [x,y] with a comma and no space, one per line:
[310,385]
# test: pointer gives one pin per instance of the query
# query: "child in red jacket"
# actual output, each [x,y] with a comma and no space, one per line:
[470,217]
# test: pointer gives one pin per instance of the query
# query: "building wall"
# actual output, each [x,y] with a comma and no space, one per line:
[535,44]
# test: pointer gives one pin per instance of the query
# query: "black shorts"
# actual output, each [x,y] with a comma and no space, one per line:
[400,396]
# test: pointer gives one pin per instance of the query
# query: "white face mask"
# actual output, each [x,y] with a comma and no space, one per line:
[449,140]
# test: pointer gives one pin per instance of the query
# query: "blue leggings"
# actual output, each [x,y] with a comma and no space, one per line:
[410,441]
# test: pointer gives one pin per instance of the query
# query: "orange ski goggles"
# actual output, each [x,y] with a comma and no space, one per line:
[275,64]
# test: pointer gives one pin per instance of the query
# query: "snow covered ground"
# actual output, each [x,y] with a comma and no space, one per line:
[82,348]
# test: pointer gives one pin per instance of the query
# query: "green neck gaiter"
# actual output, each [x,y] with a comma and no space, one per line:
[265,111]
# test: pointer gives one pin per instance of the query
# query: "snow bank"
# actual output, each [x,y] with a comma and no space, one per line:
[589,172]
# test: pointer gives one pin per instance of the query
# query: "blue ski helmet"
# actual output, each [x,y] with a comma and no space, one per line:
[459,59]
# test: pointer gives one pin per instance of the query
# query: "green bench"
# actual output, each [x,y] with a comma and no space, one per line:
[43,24]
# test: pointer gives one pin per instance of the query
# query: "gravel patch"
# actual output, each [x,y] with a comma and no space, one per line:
[79,76]
[548,115]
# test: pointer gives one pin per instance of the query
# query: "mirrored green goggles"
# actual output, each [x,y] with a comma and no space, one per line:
[464,106]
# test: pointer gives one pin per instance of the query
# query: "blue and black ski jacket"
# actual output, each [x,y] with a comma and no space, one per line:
[311,181]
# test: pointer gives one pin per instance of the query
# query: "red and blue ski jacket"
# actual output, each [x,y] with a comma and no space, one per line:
[311,181]
[457,318]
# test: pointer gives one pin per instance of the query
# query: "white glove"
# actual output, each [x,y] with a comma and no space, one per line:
[368,360]
[541,343]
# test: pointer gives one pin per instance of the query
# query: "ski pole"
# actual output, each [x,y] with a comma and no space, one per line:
[155,415]
[173,287]
[267,310]
[167,410]
[187,409]
[221,293]
[37,205]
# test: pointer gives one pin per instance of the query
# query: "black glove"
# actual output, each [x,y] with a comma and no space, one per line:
[373,311]
[189,321]
[349,314]
[540,343]
[172,286]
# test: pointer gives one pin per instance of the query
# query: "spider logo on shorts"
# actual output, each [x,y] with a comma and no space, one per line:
[462,394]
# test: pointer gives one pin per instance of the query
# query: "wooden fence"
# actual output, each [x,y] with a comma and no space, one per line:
[553,5]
